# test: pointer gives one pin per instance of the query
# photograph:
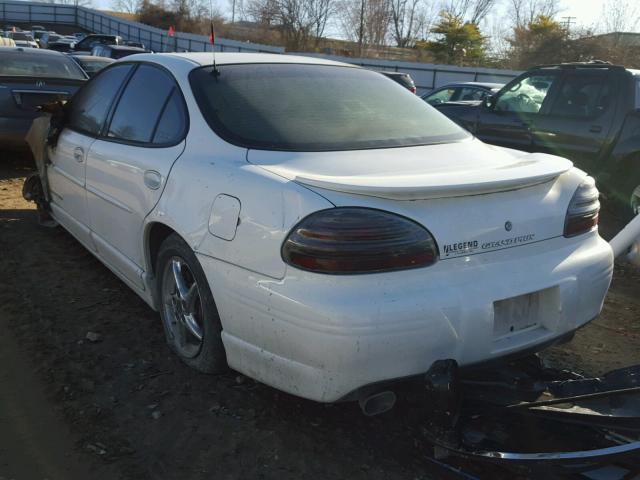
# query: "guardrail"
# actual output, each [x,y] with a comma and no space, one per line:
[99,22]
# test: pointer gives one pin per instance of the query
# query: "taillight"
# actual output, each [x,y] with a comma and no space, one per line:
[584,209]
[352,240]
[413,89]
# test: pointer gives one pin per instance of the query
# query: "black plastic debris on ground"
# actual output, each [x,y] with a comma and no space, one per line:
[534,421]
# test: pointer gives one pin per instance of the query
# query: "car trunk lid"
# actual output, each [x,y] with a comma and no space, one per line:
[415,173]
[472,197]
[21,96]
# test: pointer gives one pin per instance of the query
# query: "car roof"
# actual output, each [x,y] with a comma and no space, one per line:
[125,48]
[196,59]
[472,84]
[93,58]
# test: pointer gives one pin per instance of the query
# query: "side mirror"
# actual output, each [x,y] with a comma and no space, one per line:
[489,101]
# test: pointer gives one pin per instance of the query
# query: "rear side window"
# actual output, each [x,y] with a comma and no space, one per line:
[586,95]
[90,106]
[172,122]
[301,107]
[147,96]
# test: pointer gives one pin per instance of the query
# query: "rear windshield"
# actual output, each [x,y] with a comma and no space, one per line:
[21,36]
[39,65]
[315,108]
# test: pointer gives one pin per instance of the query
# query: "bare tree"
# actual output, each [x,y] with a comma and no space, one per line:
[299,21]
[473,11]
[523,12]
[365,21]
[407,18]
[128,6]
[619,16]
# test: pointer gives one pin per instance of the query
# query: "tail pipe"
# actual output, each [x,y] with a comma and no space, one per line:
[377,403]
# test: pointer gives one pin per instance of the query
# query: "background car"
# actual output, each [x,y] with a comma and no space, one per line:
[461,92]
[23,39]
[63,44]
[87,43]
[132,43]
[49,37]
[322,231]
[91,64]
[30,78]
[116,51]
[35,28]
[403,79]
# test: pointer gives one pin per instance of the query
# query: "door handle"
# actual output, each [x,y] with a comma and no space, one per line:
[78,155]
[595,128]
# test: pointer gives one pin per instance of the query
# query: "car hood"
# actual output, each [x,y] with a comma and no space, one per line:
[457,169]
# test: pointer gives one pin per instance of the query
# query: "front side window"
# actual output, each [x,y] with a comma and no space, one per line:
[526,95]
[442,96]
[472,94]
[303,107]
[141,105]
[91,104]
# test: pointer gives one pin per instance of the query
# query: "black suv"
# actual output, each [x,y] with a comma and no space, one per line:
[85,45]
[587,112]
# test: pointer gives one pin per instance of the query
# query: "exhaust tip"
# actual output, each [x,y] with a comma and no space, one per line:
[377,403]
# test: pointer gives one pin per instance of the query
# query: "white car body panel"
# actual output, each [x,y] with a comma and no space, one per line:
[324,336]
[416,173]
[118,198]
[67,173]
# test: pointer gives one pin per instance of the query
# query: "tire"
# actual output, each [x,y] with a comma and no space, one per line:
[189,315]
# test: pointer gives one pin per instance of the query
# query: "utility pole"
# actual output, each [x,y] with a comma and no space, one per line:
[568,21]
[233,11]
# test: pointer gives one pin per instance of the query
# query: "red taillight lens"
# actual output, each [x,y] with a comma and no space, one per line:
[413,89]
[583,212]
[358,240]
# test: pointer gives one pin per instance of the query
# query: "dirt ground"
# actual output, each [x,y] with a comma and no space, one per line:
[123,406]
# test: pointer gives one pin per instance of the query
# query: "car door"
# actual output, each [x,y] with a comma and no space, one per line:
[128,165]
[507,120]
[67,171]
[579,121]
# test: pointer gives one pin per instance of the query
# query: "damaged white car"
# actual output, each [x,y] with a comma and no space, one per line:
[316,226]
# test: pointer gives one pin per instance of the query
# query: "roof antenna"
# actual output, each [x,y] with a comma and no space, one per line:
[212,38]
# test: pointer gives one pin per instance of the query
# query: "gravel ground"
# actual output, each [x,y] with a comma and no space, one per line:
[127,408]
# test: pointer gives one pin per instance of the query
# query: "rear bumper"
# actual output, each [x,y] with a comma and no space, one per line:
[322,337]
[13,131]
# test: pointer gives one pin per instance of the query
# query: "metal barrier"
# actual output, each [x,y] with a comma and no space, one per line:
[428,75]
[99,22]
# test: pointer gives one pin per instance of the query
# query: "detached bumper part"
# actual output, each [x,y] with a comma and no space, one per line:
[528,417]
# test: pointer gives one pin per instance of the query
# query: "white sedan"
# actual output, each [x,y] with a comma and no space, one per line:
[316,226]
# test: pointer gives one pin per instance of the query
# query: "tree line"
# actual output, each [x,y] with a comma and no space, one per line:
[499,33]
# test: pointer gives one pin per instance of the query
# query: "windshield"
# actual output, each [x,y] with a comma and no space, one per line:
[39,65]
[315,108]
